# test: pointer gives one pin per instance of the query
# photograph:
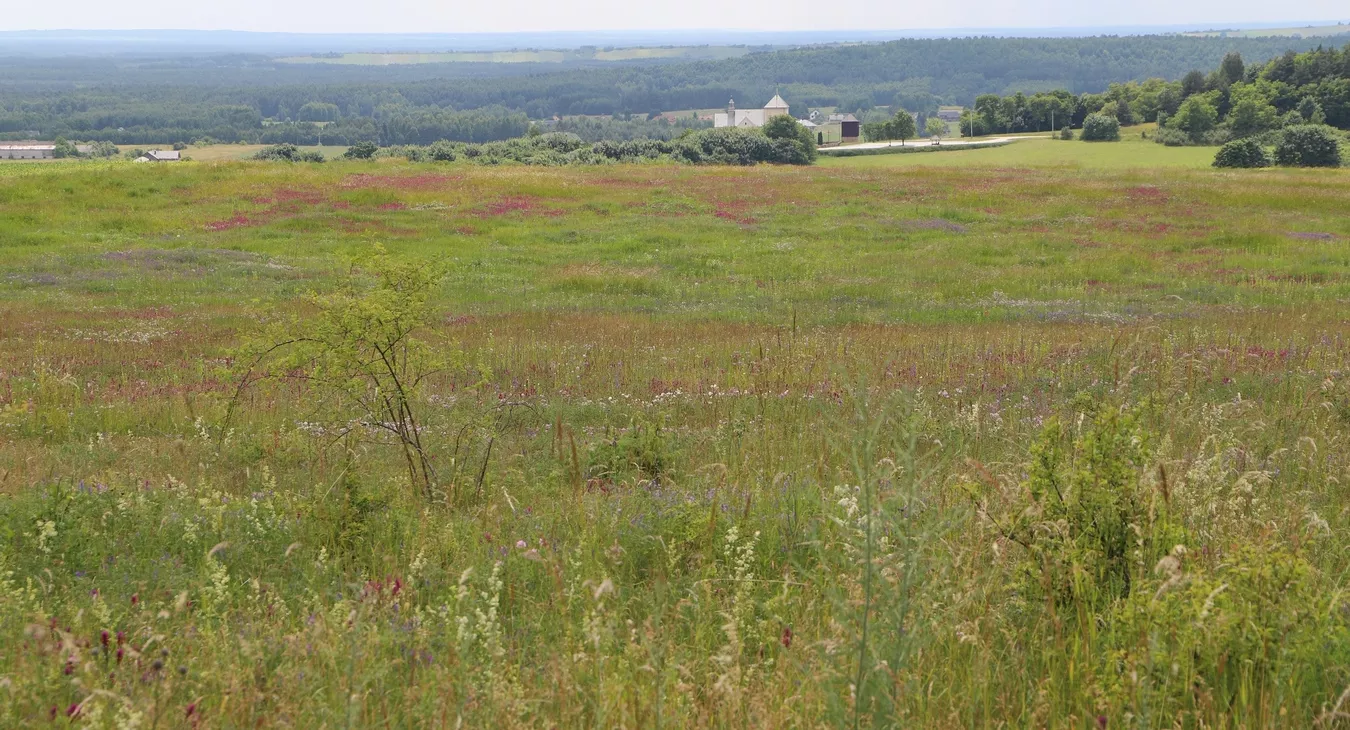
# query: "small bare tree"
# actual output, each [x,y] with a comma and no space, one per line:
[363,351]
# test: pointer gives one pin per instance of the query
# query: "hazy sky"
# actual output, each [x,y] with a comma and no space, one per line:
[537,15]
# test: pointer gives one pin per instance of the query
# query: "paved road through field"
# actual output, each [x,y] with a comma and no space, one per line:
[921,143]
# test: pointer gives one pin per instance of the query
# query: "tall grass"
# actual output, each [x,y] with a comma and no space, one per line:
[930,478]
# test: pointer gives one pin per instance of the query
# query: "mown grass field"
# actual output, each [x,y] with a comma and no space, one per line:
[885,442]
[1039,150]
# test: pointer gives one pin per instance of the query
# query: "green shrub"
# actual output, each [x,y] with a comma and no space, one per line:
[361,151]
[1242,153]
[1100,128]
[733,146]
[1090,521]
[288,153]
[64,149]
[639,450]
[103,149]
[1196,119]
[1308,145]
[802,147]
[441,151]
[1216,137]
[1171,137]
[1066,132]
[283,152]
[1260,619]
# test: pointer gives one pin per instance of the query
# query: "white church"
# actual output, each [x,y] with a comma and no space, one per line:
[748,118]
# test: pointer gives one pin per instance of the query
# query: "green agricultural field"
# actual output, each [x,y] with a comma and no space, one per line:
[1133,151]
[219,152]
[1307,31]
[1030,440]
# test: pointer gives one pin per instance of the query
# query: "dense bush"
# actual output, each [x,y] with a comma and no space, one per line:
[725,146]
[64,148]
[1090,486]
[1100,128]
[635,149]
[441,151]
[103,149]
[288,153]
[361,151]
[1242,153]
[1308,145]
[1196,118]
[639,451]
[802,150]
[1171,137]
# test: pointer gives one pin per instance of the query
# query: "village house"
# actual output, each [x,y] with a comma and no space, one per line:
[829,129]
[833,129]
[159,156]
[950,113]
[844,128]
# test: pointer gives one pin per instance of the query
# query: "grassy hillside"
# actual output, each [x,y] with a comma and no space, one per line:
[1024,443]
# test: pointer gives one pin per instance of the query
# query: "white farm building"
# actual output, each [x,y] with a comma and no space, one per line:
[749,118]
[27,151]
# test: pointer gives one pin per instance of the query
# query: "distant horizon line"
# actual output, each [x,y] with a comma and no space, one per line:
[1201,27]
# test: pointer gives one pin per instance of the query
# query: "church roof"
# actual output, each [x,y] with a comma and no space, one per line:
[776,103]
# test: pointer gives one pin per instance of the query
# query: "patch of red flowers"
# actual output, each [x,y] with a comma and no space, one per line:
[396,182]
[237,221]
[523,204]
[734,212]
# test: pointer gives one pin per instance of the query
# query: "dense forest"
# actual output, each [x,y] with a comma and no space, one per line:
[1234,100]
[255,99]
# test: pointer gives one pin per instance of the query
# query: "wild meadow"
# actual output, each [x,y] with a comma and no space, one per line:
[380,444]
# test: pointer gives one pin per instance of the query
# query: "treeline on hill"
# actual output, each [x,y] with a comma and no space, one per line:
[1234,101]
[257,100]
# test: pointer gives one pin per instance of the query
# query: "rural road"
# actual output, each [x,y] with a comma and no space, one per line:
[920,143]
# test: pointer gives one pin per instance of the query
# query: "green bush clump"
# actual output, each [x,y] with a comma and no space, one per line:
[1258,618]
[1308,145]
[1100,128]
[1171,137]
[1091,521]
[288,153]
[1242,153]
[361,151]
[726,146]
[642,451]
[802,147]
